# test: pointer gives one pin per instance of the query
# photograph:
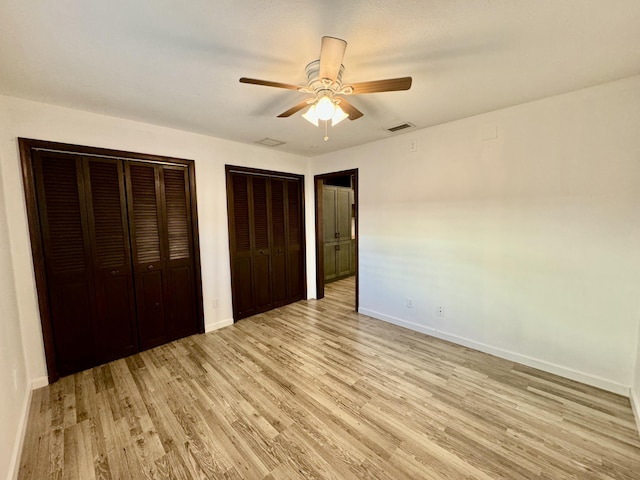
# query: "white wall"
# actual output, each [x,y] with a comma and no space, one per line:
[46,122]
[529,240]
[14,388]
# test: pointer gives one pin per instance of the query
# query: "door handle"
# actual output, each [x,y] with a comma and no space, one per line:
[337,247]
[150,267]
[337,235]
[114,272]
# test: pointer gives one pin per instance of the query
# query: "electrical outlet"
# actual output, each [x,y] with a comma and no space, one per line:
[413,145]
[409,302]
[440,311]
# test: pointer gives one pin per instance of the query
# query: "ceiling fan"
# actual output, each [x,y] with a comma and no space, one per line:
[324,83]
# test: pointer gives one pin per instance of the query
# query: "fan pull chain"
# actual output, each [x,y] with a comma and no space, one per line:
[326,131]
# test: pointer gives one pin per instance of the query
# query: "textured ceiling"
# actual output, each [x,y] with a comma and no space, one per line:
[177,64]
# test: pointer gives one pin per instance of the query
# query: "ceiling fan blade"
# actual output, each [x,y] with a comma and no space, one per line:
[346,107]
[331,54]
[266,83]
[294,109]
[375,86]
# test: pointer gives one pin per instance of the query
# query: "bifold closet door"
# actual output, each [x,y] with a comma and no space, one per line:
[159,218]
[265,237]
[82,215]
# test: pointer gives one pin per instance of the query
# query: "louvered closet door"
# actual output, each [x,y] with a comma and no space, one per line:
[240,240]
[146,224]
[180,265]
[261,245]
[115,329]
[162,251]
[295,251]
[279,241]
[265,240]
[68,262]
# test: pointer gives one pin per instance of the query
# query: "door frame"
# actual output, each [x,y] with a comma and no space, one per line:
[318,182]
[27,148]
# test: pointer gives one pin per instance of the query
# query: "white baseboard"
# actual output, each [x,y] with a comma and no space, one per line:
[210,327]
[635,405]
[14,464]
[566,372]
[39,383]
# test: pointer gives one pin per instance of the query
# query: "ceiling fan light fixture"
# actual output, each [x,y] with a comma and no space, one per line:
[325,109]
[311,116]
[338,116]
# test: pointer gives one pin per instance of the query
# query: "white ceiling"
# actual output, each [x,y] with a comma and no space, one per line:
[177,63]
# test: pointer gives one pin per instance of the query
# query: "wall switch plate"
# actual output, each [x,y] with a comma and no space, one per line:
[413,145]
[409,302]
[441,311]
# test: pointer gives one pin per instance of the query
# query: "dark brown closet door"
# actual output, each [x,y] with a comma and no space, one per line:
[261,245]
[180,263]
[265,240]
[162,247]
[295,250]
[279,241]
[146,224]
[240,234]
[115,328]
[67,255]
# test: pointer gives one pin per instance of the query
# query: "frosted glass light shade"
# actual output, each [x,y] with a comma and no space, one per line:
[338,116]
[325,108]
[311,116]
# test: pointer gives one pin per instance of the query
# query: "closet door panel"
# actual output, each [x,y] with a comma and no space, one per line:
[279,242]
[265,240]
[261,248]
[67,256]
[240,245]
[295,261]
[180,263]
[116,333]
[146,225]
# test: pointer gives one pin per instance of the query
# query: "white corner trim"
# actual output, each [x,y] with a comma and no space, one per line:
[39,383]
[210,327]
[634,396]
[14,463]
[549,367]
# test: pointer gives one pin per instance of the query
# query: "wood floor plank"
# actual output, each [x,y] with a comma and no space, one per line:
[314,390]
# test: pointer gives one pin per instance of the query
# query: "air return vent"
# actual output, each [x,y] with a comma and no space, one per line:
[402,126]
[270,142]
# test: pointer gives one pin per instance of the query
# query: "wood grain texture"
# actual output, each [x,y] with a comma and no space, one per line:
[314,390]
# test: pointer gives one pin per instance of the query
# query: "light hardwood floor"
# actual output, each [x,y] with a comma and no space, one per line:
[314,390]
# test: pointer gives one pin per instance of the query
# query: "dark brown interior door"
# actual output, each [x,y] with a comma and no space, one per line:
[67,255]
[163,258]
[180,261]
[146,223]
[115,329]
[279,241]
[295,241]
[265,240]
[261,244]
[86,249]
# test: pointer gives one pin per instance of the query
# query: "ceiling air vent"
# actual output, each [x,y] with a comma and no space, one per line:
[402,126]
[270,142]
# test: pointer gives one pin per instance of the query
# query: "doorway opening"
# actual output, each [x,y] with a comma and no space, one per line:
[336,197]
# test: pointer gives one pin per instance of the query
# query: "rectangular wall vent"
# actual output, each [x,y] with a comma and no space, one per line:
[402,126]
